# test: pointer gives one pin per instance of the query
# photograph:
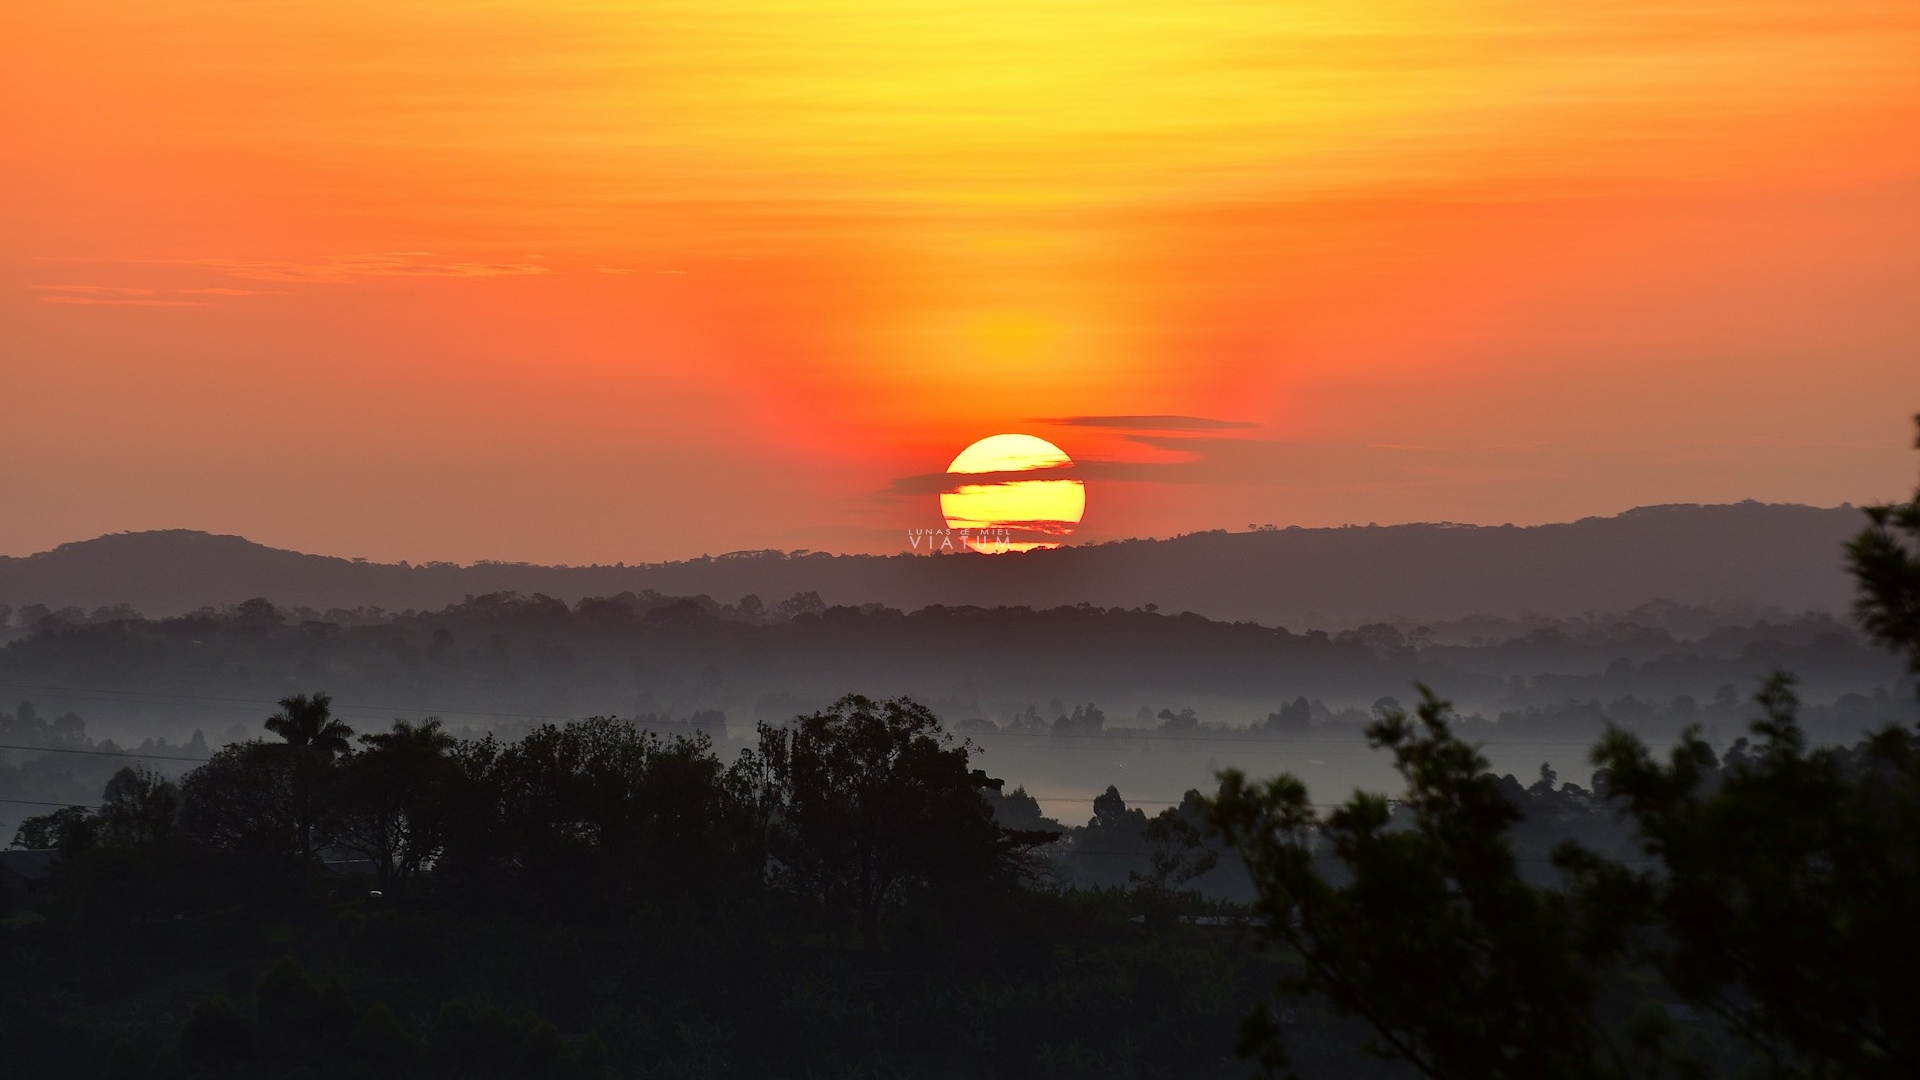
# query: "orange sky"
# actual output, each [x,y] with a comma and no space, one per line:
[579,281]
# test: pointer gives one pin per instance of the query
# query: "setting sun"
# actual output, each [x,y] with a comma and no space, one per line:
[1014,514]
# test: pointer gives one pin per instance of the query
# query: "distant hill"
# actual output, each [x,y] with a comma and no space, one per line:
[1747,554]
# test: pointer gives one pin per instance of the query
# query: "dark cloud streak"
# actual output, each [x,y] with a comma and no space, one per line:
[1147,423]
[940,483]
[1242,462]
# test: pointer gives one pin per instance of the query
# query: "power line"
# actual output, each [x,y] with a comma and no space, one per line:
[1147,802]
[124,693]
[102,753]
[1045,849]
[37,802]
[1241,735]
[164,697]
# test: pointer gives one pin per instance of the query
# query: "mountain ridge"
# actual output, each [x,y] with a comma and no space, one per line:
[1749,553]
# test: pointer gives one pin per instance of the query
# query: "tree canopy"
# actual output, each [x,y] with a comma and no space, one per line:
[872,800]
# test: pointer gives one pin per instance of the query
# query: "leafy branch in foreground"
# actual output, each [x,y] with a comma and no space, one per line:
[1774,903]
[1783,888]
[1885,562]
[1425,930]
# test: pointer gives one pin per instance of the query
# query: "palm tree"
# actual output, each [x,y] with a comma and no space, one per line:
[314,738]
[308,722]
[423,737]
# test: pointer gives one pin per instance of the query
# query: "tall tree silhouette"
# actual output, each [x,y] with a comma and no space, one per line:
[316,737]
[244,800]
[873,799]
[309,723]
[394,799]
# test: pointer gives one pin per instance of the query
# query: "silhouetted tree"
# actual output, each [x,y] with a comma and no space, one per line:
[314,739]
[1112,848]
[245,800]
[1294,718]
[309,724]
[594,815]
[800,603]
[1785,885]
[874,798]
[1461,967]
[393,799]
[138,807]
[1180,852]
[70,829]
[1885,560]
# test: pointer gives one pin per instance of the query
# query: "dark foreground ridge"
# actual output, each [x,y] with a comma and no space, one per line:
[1749,553]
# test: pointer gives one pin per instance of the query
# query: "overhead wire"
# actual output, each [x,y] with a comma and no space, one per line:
[102,753]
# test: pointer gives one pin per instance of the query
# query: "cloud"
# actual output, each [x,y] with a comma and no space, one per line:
[1271,462]
[114,294]
[1231,461]
[124,301]
[138,296]
[1146,423]
[940,483]
[339,268]
[99,290]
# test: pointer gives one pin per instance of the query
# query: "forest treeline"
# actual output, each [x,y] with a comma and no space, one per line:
[496,657]
[852,896]
[1048,744]
[849,848]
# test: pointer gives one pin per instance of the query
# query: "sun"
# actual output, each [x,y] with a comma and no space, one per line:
[1001,511]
